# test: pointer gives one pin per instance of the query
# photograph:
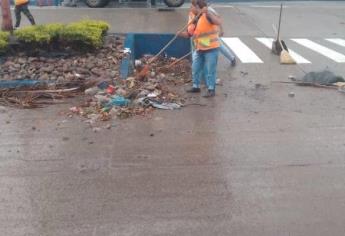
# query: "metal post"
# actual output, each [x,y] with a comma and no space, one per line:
[6,16]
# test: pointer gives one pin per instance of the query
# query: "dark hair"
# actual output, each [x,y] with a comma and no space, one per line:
[201,3]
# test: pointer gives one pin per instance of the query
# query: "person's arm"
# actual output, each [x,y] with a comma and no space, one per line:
[214,19]
[221,31]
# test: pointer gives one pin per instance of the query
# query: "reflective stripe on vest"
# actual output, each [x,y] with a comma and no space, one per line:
[206,35]
[20,2]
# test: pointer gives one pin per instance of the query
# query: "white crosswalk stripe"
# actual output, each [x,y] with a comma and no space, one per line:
[242,51]
[340,42]
[298,58]
[333,55]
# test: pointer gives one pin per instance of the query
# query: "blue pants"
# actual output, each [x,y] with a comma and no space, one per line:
[205,64]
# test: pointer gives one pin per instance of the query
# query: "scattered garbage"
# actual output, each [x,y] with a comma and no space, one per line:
[325,77]
[219,82]
[117,101]
[292,78]
[137,96]
[322,79]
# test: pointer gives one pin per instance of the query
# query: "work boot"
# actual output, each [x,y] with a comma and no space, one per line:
[233,62]
[210,93]
[193,90]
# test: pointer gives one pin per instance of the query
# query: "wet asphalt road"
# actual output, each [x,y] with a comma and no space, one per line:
[253,161]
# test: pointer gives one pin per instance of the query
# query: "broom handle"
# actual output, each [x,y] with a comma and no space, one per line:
[173,39]
[180,59]
[280,18]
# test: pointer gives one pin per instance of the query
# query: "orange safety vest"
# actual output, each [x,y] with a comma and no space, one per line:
[206,35]
[20,2]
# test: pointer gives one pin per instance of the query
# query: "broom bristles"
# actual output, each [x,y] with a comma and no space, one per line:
[286,58]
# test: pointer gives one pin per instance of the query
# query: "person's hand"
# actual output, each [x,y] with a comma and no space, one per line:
[183,34]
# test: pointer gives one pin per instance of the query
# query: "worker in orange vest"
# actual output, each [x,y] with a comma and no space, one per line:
[205,33]
[22,6]
[223,49]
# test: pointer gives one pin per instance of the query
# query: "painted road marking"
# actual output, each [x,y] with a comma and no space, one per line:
[298,58]
[333,55]
[242,51]
[340,42]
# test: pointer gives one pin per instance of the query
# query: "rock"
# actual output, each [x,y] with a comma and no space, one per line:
[22,60]
[291,94]
[161,76]
[292,78]
[96,129]
[121,92]
[49,69]
[60,79]
[81,70]
[219,82]
[96,71]
[101,99]
[44,77]
[101,55]
[137,63]
[90,65]
[152,74]
[55,72]
[113,73]
[150,87]
[69,76]
[143,93]
[16,66]
[66,68]
[51,60]
[59,69]
[32,59]
[6,77]
[113,112]
[91,91]
[3,109]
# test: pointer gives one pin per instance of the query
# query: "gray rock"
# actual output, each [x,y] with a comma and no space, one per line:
[44,77]
[3,109]
[22,60]
[113,73]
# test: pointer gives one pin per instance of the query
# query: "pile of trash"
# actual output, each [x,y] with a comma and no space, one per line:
[137,95]
[28,81]
[36,81]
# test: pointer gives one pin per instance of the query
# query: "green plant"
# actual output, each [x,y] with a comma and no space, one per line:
[54,29]
[83,34]
[3,41]
[33,34]
[104,26]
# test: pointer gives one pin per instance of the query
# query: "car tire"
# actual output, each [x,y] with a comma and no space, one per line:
[97,3]
[174,3]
